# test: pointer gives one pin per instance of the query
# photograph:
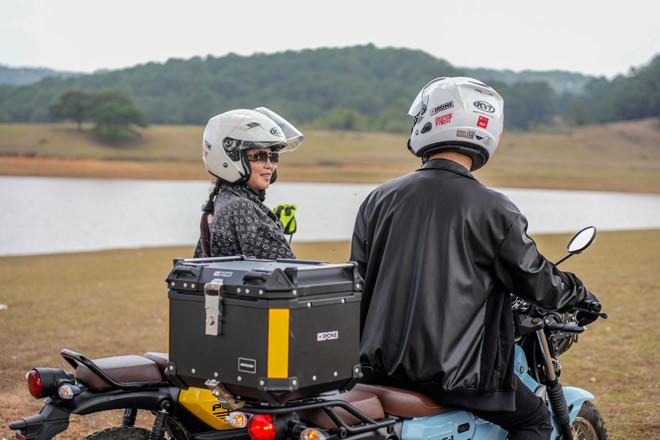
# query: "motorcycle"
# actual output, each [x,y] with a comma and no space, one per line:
[183,412]
[130,383]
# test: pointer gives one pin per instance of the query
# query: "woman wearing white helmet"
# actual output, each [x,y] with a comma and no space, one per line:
[241,149]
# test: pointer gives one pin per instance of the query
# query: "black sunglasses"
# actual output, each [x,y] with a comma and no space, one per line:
[263,156]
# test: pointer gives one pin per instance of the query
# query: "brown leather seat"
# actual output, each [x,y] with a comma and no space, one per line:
[365,402]
[130,368]
[403,403]
[159,358]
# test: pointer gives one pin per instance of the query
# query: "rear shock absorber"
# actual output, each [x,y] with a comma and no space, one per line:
[160,422]
[128,420]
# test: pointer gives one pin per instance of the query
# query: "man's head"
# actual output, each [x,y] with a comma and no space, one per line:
[457,114]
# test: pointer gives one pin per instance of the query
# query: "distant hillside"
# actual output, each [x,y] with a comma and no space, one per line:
[560,81]
[20,76]
[360,88]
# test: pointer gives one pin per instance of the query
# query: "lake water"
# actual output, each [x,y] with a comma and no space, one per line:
[51,215]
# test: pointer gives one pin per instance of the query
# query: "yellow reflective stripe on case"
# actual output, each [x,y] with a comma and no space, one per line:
[205,406]
[278,343]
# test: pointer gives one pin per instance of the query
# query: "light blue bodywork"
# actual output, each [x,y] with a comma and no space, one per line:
[459,424]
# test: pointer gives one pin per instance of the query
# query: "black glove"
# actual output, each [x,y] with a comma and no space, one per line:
[589,307]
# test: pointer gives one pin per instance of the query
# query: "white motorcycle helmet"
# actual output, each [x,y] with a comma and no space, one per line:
[229,134]
[457,114]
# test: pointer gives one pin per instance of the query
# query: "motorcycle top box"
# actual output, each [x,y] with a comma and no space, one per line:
[264,330]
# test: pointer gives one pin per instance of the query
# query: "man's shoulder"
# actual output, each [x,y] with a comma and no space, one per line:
[497,201]
[393,186]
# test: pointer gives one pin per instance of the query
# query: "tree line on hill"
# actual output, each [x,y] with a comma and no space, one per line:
[354,88]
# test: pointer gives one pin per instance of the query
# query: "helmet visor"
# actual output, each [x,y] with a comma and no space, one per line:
[419,105]
[274,146]
[294,138]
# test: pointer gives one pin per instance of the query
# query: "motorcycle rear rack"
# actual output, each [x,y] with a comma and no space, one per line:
[74,359]
[367,425]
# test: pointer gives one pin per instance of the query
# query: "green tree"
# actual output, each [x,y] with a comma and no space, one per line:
[73,104]
[394,118]
[343,119]
[115,115]
[577,112]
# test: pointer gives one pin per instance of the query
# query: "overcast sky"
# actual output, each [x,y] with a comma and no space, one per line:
[593,37]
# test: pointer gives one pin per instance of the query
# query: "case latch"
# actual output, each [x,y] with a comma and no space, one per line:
[213,307]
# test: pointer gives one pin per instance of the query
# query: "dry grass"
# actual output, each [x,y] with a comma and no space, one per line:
[616,157]
[115,302]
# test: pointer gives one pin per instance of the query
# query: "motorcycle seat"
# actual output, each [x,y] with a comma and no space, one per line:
[402,402]
[129,368]
[159,358]
[365,402]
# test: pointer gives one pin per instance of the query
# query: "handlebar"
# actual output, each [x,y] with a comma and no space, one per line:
[592,307]
[569,327]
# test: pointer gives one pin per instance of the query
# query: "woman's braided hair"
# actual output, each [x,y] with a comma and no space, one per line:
[208,209]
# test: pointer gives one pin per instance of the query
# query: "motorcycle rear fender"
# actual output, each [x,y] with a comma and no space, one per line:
[50,421]
[54,416]
[575,397]
[149,399]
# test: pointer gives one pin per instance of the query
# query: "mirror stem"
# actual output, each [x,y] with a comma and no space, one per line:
[564,258]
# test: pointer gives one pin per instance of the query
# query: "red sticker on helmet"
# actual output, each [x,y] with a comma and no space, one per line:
[444,119]
[483,122]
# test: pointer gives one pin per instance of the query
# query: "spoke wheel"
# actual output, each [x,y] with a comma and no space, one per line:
[588,425]
[120,434]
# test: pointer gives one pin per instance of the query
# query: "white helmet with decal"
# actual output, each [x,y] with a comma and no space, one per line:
[457,114]
[229,134]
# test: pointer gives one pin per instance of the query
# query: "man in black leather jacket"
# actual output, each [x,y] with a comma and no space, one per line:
[440,254]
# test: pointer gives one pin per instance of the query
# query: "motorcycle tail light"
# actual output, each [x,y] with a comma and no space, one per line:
[44,382]
[261,427]
[34,383]
[313,434]
[237,419]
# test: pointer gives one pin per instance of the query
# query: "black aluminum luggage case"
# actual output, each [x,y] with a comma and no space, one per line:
[264,330]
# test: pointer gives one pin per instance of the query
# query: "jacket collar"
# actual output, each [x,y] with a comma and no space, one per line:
[242,189]
[447,165]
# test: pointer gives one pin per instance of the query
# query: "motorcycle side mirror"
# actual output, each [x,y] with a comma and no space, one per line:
[581,240]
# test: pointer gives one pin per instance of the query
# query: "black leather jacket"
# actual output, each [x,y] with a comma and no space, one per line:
[440,254]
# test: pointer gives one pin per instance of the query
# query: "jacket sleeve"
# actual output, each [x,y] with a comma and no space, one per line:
[529,275]
[359,243]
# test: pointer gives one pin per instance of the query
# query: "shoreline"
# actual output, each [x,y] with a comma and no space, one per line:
[495,176]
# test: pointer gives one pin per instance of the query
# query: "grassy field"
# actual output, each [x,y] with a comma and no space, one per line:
[115,302]
[622,156]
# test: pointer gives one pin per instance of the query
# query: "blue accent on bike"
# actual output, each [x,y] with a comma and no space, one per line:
[575,397]
[458,424]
